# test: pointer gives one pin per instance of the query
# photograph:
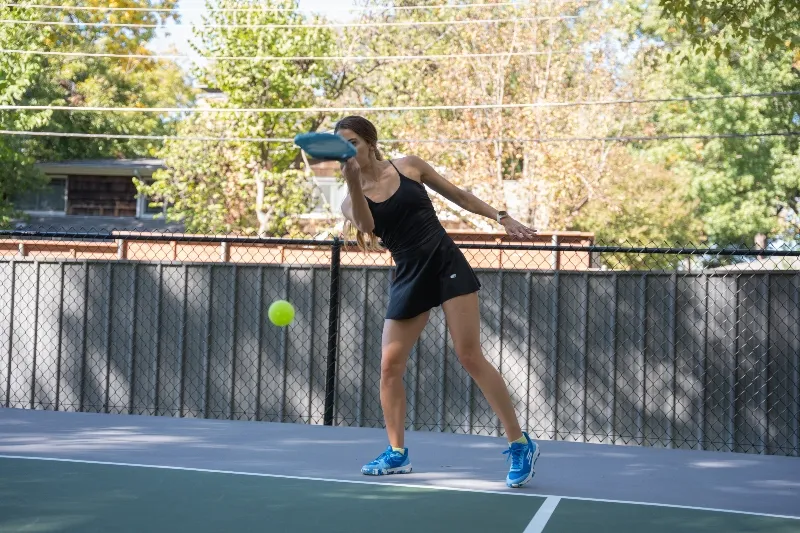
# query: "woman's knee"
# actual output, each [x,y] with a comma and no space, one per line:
[393,362]
[471,357]
[399,337]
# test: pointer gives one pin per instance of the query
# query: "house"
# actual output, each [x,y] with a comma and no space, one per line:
[92,195]
[100,195]
[330,192]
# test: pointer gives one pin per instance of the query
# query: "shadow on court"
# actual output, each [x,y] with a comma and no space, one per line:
[83,472]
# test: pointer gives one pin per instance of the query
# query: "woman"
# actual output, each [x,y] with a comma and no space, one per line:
[387,200]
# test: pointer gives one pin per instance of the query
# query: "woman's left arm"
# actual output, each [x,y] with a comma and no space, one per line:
[467,200]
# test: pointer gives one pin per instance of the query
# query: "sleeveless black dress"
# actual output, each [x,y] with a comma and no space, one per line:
[430,268]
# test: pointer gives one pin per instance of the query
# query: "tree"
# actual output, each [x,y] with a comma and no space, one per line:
[226,187]
[250,187]
[77,82]
[651,210]
[721,25]
[18,77]
[553,178]
[743,186]
[571,51]
[108,82]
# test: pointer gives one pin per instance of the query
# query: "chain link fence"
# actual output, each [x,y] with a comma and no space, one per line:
[672,347]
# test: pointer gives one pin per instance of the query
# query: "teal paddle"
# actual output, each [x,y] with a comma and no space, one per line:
[325,146]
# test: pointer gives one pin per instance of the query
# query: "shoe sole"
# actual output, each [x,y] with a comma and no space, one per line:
[518,484]
[387,471]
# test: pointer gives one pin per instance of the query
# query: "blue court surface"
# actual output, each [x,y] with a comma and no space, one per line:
[80,472]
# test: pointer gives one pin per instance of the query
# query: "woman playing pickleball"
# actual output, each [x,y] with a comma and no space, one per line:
[387,200]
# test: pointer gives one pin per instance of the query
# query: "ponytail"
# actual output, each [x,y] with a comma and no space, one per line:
[367,242]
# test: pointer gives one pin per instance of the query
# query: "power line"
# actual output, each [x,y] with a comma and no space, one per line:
[273,9]
[389,108]
[142,137]
[542,140]
[282,58]
[276,26]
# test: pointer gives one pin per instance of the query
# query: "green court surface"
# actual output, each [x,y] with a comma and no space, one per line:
[74,496]
[577,516]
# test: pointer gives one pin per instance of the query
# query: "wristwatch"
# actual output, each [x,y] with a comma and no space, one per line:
[501,215]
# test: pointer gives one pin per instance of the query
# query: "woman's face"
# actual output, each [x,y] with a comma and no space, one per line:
[363,149]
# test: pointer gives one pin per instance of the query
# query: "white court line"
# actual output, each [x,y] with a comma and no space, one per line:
[541,517]
[390,484]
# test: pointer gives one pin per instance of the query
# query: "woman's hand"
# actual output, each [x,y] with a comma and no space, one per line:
[355,205]
[351,170]
[516,229]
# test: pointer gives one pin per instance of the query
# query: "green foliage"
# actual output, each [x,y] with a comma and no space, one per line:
[249,187]
[77,82]
[18,78]
[226,187]
[109,82]
[720,26]
[87,82]
[740,185]
[786,181]
[641,204]
[679,191]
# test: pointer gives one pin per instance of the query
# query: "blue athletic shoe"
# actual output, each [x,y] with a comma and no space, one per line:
[523,459]
[389,462]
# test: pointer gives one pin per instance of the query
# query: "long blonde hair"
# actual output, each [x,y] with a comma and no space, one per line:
[367,242]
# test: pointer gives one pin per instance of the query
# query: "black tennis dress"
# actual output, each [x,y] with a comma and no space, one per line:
[430,268]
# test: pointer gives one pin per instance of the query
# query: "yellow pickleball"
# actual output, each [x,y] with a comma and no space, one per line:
[281,313]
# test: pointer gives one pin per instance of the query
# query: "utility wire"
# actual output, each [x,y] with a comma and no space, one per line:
[375,109]
[286,26]
[406,141]
[280,58]
[274,9]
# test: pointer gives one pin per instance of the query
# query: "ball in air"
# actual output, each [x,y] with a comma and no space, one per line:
[281,313]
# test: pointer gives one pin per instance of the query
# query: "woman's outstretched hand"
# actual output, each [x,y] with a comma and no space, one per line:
[351,170]
[517,230]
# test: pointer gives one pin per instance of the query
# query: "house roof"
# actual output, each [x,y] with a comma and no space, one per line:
[103,167]
[96,224]
[142,167]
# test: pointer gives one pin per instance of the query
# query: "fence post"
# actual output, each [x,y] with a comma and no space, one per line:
[555,257]
[333,332]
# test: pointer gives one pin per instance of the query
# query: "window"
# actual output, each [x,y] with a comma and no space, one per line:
[101,195]
[144,210]
[51,200]
[329,194]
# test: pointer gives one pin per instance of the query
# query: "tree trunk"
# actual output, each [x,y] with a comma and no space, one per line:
[761,243]
[264,216]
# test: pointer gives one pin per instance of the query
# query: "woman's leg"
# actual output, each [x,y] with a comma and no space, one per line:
[399,337]
[463,322]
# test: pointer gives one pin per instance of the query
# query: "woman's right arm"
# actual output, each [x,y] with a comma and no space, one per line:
[355,206]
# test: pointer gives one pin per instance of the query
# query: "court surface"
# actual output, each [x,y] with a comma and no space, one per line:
[84,472]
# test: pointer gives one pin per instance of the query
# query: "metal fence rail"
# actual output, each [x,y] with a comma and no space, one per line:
[706,358]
